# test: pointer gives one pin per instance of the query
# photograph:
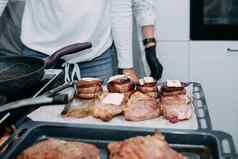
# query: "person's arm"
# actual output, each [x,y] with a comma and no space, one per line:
[145,18]
[122,35]
[144,13]
[149,32]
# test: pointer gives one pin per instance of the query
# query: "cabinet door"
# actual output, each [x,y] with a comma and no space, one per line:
[174,58]
[217,70]
[172,19]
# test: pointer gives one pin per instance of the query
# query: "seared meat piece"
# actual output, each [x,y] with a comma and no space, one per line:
[170,89]
[121,88]
[103,111]
[106,112]
[150,91]
[148,147]
[171,93]
[79,108]
[88,82]
[175,99]
[120,84]
[109,106]
[172,85]
[105,108]
[175,104]
[141,107]
[152,94]
[176,108]
[81,112]
[146,89]
[177,112]
[60,149]
[148,86]
[89,95]
[88,88]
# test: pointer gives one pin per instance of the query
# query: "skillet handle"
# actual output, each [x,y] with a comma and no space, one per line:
[71,49]
[41,100]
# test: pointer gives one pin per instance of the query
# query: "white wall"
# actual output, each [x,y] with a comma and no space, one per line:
[172,20]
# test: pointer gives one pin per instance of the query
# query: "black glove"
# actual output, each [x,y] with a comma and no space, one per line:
[155,66]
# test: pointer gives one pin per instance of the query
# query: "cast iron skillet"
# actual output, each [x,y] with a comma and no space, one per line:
[18,74]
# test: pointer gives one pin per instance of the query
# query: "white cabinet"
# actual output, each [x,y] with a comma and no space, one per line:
[172,19]
[174,57]
[217,70]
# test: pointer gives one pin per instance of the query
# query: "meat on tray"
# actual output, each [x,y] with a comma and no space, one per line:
[60,149]
[106,112]
[174,102]
[147,147]
[135,102]
[81,112]
[147,85]
[175,92]
[88,88]
[139,147]
[104,108]
[141,107]
[121,84]
[176,113]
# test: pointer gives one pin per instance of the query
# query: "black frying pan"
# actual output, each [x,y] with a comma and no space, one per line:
[18,74]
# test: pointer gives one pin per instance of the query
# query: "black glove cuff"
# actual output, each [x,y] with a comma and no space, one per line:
[149,40]
[151,51]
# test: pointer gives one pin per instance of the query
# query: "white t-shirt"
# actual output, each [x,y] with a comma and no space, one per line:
[49,25]
[144,12]
[3,4]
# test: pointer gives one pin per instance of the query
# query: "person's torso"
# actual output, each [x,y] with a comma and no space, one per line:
[49,25]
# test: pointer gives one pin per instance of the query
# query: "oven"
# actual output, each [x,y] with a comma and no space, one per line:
[214,19]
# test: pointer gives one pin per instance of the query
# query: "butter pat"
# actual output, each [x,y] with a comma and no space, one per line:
[113,98]
[146,80]
[117,77]
[174,83]
[90,79]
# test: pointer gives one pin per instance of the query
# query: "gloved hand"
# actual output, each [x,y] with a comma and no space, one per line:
[155,66]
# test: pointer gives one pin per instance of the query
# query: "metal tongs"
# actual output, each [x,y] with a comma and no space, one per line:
[51,97]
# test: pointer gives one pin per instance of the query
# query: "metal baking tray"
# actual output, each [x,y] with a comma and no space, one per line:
[193,144]
[200,106]
[199,121]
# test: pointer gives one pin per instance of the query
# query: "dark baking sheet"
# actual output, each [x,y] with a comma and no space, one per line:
[194,144]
